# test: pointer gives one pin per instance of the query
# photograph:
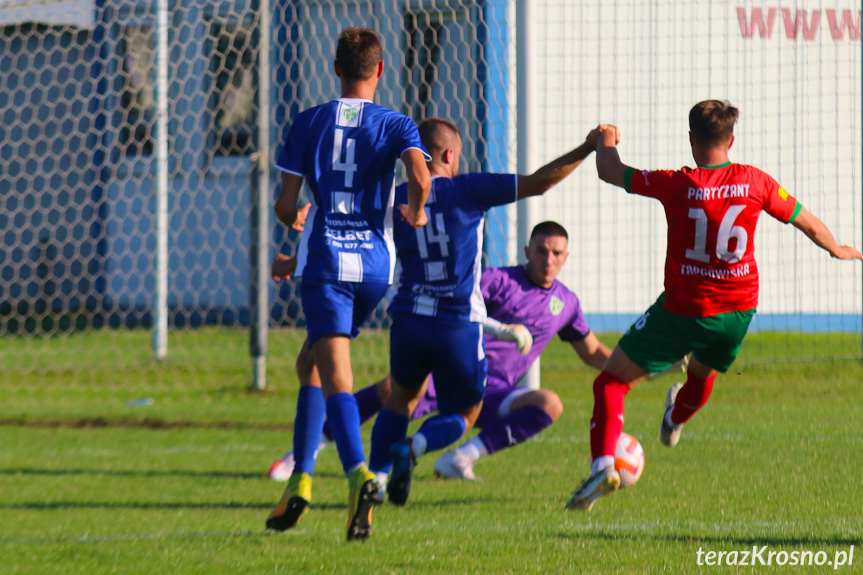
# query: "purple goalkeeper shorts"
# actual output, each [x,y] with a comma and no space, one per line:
[496,393]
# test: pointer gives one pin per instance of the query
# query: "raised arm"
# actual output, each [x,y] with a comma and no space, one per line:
[591,351]
[816,231]
[419,184]
[551,174]
[286,203]
[608,164]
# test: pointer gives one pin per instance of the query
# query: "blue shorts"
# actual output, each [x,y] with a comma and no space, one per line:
[453,354]
[338,307]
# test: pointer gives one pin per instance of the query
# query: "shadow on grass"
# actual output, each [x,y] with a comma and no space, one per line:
[89,538]
[148,473]
[459,502]
[736,540]
[57,505]
[89,423]
[771,540]
[411,505]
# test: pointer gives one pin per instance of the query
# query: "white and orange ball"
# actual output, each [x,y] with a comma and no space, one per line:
[628,460]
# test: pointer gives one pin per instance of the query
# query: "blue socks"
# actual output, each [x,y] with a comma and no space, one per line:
[308,424]
[344,417]
[442,430]
[369,404]
[389,429]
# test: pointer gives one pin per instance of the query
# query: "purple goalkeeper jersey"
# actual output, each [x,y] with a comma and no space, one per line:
[511,298]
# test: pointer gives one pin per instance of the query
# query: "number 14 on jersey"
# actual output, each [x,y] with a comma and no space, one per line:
[434,232]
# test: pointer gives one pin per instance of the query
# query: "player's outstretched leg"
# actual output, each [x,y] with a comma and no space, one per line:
[363,493]
[606,426]
[404,460]
[684,401]
[293,504]
[669,433]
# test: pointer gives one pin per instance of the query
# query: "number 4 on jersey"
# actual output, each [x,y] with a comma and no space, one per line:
[349,166]
[437,236]
[727,230]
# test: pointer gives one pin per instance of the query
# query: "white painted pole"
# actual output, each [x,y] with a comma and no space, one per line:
[160,303]
[259,304]
[526,135]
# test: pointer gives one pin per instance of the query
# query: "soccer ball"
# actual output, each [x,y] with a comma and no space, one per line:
[628,460]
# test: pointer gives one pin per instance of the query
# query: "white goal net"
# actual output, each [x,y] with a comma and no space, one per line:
[80,164]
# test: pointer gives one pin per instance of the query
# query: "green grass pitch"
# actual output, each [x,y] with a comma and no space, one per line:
[179,486]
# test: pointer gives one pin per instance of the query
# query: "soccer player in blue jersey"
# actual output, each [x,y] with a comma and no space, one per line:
[345,151]
[438,308]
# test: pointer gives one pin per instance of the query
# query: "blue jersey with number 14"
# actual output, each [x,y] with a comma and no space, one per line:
[347,151]
[441,262]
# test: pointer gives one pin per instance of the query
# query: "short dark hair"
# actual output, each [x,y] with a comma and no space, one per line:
[358,52]
[435,132]
[548,228]
[711,122]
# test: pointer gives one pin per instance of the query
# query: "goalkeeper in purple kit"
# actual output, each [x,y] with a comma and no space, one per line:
[530,296]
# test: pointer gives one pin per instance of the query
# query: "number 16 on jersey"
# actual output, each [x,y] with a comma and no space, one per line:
[727,231]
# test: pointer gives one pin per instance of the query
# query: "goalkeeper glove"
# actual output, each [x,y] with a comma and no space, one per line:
[516,333]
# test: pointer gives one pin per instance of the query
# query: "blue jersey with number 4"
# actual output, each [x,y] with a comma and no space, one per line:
[347,151]
[441,262]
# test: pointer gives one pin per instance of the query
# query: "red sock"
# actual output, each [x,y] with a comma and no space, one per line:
[691,398]
[607,422]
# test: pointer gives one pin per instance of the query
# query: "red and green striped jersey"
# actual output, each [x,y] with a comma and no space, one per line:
[712,212]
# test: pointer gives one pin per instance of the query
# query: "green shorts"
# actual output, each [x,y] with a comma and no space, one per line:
[659,338]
